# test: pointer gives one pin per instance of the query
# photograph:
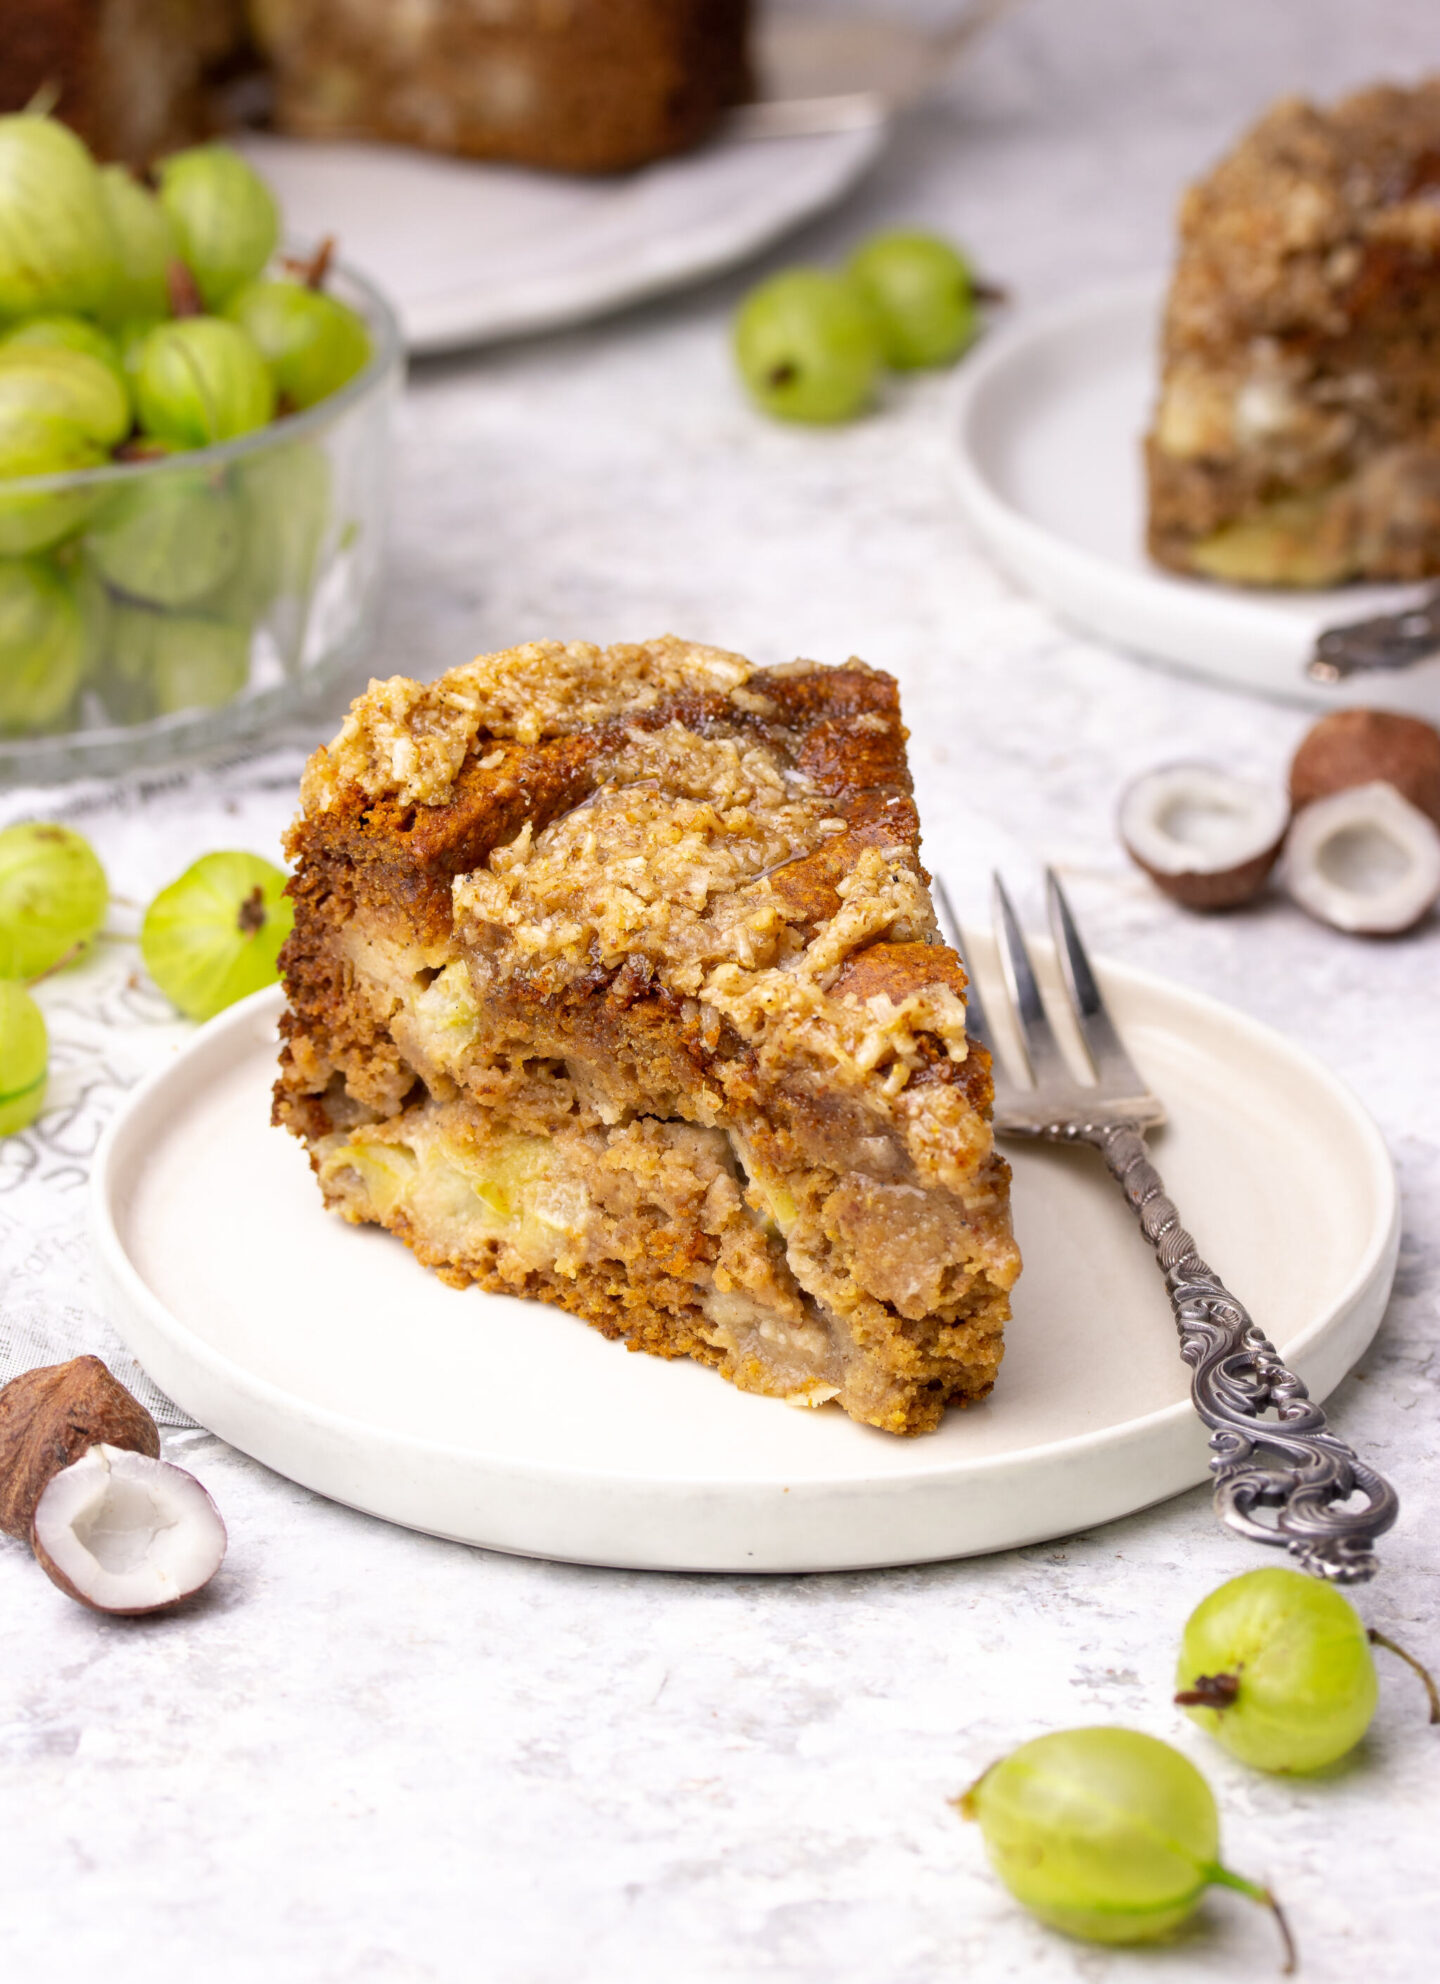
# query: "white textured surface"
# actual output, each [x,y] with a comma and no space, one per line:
[367,1756]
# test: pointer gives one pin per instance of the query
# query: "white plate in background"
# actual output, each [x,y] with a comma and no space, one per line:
[327,1351]
[1050,413]
[469,253]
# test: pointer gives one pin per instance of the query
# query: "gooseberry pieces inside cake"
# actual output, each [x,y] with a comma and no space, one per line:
[615,982]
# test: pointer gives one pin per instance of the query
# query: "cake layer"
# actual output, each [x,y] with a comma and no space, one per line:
[1296,439]
[581,897]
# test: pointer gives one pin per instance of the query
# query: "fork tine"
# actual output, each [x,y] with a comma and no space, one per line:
[1113,1065]
[974,1006]
[1048,1066]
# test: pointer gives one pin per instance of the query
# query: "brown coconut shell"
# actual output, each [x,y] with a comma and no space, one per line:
[1358,747]
[49,1417]
[1216,888]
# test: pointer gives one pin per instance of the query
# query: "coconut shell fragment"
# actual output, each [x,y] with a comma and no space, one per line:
[1364,747]
[49,1418]
[1204,835]
[81,1481]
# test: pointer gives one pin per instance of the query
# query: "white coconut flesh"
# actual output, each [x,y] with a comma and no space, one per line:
[1364,860]
[1200,819]
[129,1533]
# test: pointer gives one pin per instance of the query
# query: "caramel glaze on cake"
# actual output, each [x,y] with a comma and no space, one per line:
[615,982]
[1297,436]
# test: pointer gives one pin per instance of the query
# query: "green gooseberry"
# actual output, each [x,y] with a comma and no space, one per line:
[34,444]
[53,897]
[807,346]
[922,293]
[130,339]
[201,380]
[73,385]
[168,537]
[224,214]
[1277,1667]
[1107,1834]
[284,497]
[163,663]
[146,243]
[42,650]
[70,333]
[24,1059]
[56,249]
[214,935]
[312,342]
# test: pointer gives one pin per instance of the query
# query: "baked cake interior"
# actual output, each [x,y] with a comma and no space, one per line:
[1296,441]
[615,982]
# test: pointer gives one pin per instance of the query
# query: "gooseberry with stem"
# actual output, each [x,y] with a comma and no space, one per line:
[53,897]
[24,1058]
[1277,1667]
[1107,1834]
[224,214]
[214,935]
[923,296]
[146,243]
[312,342]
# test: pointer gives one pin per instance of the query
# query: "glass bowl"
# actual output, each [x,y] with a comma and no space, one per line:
[185,603]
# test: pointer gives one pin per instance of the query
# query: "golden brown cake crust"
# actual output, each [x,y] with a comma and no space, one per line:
[1297,437]
[566,895]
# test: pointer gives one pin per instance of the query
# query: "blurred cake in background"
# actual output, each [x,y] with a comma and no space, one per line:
[131,76]
[578,85]
[1296,441]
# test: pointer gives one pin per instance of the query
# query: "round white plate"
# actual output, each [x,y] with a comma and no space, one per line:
[468,253]
[329,1353]
[1050,416]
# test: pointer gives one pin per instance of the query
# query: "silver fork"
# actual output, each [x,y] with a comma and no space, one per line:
[1272,1445]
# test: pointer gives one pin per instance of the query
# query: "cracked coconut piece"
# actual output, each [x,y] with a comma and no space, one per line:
[1296,441]
[615,982]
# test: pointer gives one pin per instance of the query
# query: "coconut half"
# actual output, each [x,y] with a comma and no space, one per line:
[124,1532]
[1204,835]
[1364,860]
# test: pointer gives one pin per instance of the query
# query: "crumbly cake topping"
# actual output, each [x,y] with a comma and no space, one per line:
[680,860]
[1287,228]
[409,739]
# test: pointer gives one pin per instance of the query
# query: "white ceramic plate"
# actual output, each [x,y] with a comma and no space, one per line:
[468,253]
[1050,415]
[327,1352]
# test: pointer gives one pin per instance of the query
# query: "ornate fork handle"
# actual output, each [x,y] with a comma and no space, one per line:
[1293,1463]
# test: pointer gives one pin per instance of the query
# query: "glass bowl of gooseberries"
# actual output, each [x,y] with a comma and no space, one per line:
[194,454]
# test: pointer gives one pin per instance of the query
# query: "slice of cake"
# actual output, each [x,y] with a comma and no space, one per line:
[615,982]
[1297,437]
[578,85]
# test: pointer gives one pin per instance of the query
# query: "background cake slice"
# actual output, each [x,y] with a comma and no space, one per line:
[1296,441]
[615,982]
[578,85]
